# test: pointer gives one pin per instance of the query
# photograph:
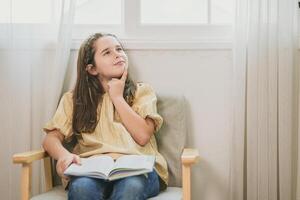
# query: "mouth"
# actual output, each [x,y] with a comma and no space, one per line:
[120,62]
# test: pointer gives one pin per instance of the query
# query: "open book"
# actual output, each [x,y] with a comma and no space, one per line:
[104,167]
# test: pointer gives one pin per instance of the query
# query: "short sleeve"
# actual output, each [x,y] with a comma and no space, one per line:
[145,104]
[62,119]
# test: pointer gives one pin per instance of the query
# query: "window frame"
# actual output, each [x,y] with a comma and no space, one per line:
[134,28]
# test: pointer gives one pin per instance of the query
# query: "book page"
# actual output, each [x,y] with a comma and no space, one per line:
[126,173]
[134,162]
[93,167]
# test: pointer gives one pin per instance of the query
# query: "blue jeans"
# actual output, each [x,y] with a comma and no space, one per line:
[130,188]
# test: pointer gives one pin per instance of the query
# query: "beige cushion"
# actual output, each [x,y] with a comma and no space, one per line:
[58,193]
[171,193]
[171,138]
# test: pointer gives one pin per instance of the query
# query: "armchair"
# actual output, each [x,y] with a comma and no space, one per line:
[171,141]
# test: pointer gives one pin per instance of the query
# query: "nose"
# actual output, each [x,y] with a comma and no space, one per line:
[117,54]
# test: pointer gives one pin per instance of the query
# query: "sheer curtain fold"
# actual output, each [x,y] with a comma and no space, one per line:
[33,63]
[62,53]
[264,63]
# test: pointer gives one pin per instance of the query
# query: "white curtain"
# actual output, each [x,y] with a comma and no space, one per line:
[264,145]
[33,63]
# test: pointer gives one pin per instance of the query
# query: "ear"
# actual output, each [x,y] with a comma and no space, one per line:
[91,69]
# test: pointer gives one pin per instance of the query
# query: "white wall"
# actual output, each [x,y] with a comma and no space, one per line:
[204,77]
[22,91]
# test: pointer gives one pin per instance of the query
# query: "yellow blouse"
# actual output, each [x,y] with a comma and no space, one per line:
[110,135]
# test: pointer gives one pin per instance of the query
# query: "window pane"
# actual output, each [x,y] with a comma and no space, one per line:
[98,12]
[173,11]
[222,11]
[29,11]
[4,11]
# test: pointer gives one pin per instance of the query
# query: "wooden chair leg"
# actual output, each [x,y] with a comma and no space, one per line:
[48,173]
[26,181]
[186,182]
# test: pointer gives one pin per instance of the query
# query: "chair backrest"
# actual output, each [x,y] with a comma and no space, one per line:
[171,138]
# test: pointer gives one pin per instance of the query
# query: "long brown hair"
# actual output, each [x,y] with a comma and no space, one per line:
[88,90]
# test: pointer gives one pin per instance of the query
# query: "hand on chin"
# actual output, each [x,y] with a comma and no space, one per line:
[118,76]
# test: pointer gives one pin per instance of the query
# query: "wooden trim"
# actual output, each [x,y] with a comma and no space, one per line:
[170,44]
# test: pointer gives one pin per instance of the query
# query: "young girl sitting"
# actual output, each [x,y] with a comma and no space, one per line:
[106,113]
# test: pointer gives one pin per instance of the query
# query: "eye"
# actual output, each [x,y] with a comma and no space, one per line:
[106,53]
[119,49]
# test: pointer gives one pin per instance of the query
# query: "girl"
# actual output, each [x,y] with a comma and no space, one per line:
[107,113]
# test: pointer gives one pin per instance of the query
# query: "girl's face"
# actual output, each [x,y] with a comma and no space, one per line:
[110,58]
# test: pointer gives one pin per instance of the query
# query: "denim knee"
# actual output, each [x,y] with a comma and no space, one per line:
[134,184]
[131,188]
[85,188]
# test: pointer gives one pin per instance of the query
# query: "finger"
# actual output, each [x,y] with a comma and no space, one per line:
[66,163]
[60,172]
[124,75]
[77,160]
[63,166]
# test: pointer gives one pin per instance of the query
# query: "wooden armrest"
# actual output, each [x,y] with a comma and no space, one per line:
[189,156]
[29,156]
[26,159]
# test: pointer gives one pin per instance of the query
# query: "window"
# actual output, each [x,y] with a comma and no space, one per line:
[207,20]
[98,12]
[132,19]
[194,12]
[44,11]
[19,11]
[222,12]
[173,12]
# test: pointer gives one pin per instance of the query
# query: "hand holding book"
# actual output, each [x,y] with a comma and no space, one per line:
[64,161]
